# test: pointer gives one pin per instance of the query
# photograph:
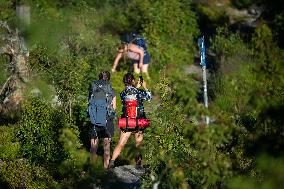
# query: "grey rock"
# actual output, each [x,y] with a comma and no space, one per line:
[129,173]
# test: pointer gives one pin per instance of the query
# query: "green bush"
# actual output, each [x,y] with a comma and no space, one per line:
[247,89]
[72,167]
[40,129]
[234,79]
[183,153]
[271,176]
[19,173]
[7,11]
[169,153]
[9,146]
[49,139]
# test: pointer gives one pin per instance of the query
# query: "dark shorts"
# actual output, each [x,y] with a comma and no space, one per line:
[132,130]
[146,59]
[103,132]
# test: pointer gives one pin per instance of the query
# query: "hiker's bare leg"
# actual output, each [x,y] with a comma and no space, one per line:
[136,69]
[94,148]
[122,141]
[106,152]
[138,138]
[145,70]
[138,141]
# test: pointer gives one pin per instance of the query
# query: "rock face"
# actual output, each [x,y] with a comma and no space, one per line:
[129,173]
[126,177]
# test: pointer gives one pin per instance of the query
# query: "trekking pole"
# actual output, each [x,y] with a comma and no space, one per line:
[203,66]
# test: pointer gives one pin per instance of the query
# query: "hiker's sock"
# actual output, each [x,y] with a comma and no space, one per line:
[138,160]
[111,164]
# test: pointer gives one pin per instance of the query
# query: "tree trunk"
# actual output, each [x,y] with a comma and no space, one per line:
[11,93]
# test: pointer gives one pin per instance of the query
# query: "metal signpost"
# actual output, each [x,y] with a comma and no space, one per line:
[203,66]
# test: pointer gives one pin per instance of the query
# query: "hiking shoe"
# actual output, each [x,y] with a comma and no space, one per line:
[138,161]
[111,164]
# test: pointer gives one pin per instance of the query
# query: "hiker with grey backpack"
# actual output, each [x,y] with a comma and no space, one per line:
[101,109]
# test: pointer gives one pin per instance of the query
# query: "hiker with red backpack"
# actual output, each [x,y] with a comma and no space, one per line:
[134,48]
[102,105]
[133,119]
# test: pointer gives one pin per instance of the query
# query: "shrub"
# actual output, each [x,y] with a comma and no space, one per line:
[169,153]
[183,153]
[19,173]
[40,129]
[9,146]
[271,176]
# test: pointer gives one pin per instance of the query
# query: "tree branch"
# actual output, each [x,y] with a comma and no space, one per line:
[5,85]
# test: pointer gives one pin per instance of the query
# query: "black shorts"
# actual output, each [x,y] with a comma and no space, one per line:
[103,132]
[132,130]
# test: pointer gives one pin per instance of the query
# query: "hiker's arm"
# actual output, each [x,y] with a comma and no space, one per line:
[114,102]
[145,94]
[136,49]
[113,99]
[116,60]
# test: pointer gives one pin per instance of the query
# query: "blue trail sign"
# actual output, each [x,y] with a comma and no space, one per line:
[201,46]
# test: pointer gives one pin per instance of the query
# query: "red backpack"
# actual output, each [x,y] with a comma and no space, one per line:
[131,121]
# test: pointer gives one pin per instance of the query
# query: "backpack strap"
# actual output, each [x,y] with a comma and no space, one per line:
[136,127]
[126,128]
[97,87]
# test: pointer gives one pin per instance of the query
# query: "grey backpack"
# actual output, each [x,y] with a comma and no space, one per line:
[100,102]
